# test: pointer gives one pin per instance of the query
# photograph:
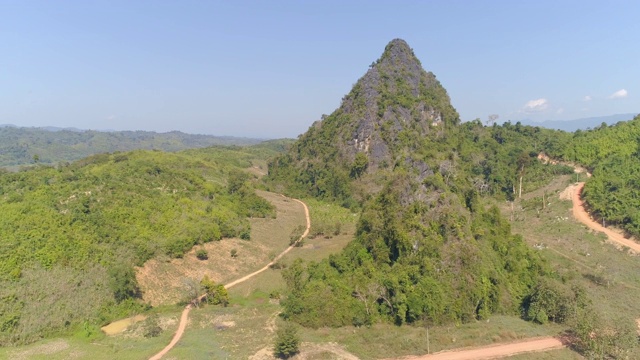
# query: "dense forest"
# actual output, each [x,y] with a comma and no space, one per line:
[429,246]
[612,153]
[25,146]
[71,234]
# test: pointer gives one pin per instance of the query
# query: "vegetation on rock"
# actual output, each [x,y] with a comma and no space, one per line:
[428,246]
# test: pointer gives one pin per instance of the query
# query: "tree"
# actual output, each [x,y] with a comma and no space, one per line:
[492,119]
[220,296]
[236,181]
[287,342]
[359,165]
[214,294]
[523,161]
[123,283]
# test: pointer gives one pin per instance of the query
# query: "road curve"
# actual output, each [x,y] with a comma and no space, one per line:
[495,351]
[581,214]
[185,313]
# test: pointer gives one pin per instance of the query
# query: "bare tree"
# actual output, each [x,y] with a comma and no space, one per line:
[491,119]
[192,291]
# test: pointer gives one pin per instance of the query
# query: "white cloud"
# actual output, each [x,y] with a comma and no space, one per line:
[622,93]
[587,98]
[560,111]
[536,105]
[110,117]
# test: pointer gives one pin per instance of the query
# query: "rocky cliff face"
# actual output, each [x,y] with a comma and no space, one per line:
[395,95]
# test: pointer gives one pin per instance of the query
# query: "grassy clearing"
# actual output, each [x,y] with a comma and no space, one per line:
[386,341]
[128,345]
[163,281]
[610,275]
[235,332]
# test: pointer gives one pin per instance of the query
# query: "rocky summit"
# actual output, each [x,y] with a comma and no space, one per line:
[394,106]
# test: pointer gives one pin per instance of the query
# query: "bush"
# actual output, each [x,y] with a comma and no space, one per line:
[151,327]
[296,234]
[215,294]
[278,265]
[287,342]
[202,254]
[234,253]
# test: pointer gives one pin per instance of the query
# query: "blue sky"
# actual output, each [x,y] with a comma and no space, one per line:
[270,68]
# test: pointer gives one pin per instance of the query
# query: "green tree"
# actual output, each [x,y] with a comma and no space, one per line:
[214,294]
[123,283]
[359,165]
[236,180]
[287,342]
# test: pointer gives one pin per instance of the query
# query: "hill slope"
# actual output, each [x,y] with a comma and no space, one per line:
[613,155]
[70,236]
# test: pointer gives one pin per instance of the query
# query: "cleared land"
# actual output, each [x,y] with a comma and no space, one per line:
[163,281]
[185,313]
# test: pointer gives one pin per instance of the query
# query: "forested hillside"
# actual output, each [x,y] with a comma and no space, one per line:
[613,155]
[428,246]
[70,235]
[22,146]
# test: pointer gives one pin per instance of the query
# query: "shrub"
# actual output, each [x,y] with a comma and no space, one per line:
[287,342]
[151,327]
[202,254]
[234,253]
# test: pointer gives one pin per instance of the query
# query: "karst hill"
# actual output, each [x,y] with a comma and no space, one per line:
[428,246]
[389,111]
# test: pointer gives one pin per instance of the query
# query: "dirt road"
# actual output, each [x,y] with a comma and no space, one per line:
[185,313]
[495,351]
[582,215]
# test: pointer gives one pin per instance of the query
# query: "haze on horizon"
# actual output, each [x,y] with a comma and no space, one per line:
[269,69]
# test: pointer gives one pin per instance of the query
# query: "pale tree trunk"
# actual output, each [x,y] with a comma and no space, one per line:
[520,190]
[521,176]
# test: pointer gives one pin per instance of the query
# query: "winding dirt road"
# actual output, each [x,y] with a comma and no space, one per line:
[495,351]
[581,214]
[185,313]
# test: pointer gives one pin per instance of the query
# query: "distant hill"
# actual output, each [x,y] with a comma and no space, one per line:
[22,146]
[580,124]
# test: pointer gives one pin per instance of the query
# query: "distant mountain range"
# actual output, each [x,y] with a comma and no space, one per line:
[23,145]
[581,124]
